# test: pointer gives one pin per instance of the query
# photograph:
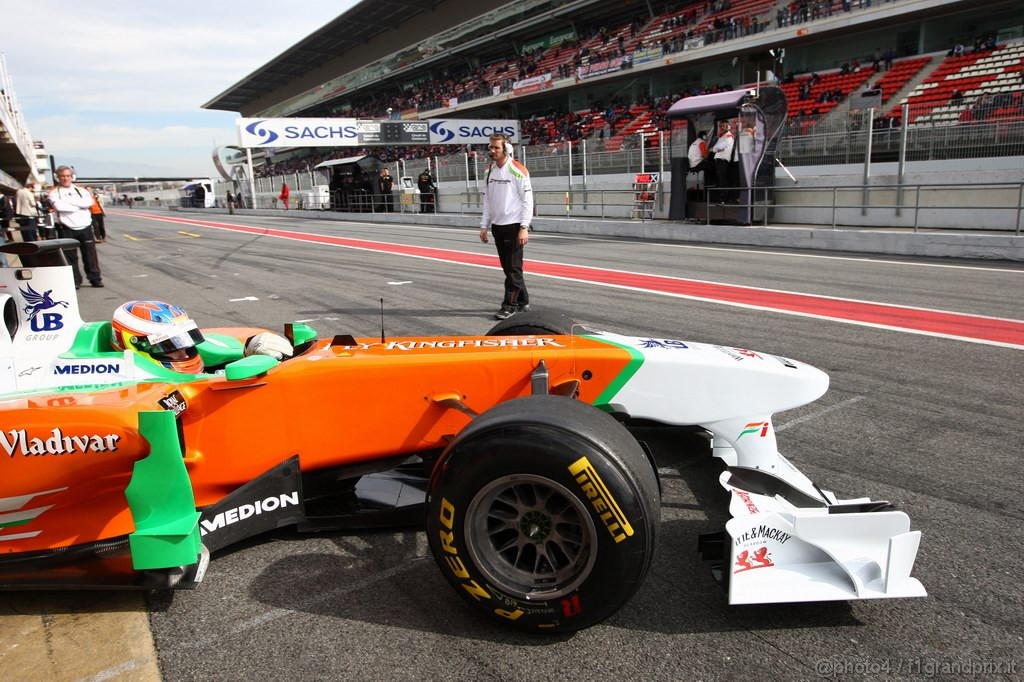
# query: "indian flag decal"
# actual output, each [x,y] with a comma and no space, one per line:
[754,427]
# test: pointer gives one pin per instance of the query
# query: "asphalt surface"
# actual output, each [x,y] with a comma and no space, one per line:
[930,423]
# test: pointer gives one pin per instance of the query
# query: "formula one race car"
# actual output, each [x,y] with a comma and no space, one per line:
[541,508]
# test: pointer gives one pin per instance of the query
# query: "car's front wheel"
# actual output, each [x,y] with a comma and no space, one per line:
[543,513]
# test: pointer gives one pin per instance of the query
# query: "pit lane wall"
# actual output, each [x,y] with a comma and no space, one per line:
[984,194]
[964,194]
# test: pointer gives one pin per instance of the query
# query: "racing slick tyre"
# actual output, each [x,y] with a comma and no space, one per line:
[535,322]
[543,514]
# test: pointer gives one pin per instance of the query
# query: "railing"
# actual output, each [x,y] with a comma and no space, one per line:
[599,203]
[924,143]
[912,206]
[1000,205]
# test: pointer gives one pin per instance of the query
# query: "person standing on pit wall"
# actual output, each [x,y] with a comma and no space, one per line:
[387,186]
[74,221]
[507,211]
[26,212]
[99,228]
[285,193]
[428,192]
[723,155]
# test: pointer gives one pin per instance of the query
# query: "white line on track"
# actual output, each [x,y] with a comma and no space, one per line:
[819,413]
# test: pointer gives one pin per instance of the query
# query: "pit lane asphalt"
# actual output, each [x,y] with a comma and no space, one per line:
[932,424]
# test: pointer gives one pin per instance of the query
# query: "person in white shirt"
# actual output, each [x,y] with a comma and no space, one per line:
[507,211]
[74,221]
[722,152]
[697,155]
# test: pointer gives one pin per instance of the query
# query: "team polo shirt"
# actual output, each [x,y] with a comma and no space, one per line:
[508,196]
[72,205]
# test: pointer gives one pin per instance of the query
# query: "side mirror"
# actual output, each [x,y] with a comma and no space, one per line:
[247,368]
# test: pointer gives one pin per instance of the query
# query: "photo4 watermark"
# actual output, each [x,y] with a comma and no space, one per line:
[917,666]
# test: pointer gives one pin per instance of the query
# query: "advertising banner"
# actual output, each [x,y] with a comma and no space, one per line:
[600,68]
[529,86]
[297,132]
[470,131]
[647,54]
[269,133]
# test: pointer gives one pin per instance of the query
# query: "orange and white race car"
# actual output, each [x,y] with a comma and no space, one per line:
[514,448]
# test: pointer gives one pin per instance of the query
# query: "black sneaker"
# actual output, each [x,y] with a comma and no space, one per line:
[505,313]
[523,308]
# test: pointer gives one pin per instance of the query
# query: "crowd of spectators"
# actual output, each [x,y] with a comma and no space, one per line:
[678,27]
[675,29]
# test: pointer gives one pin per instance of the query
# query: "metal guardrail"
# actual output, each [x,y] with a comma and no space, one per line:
[904,205]
[908,198]
[924,143]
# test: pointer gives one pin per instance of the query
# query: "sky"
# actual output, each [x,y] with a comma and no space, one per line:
[116,88]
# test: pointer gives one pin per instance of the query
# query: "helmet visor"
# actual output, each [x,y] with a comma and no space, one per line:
[178,338]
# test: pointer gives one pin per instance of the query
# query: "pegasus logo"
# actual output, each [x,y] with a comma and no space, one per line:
[255,128]
[38,302]
[439,128]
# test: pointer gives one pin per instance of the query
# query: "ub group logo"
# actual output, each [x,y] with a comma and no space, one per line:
[36,304]
[255,128]
[439,128]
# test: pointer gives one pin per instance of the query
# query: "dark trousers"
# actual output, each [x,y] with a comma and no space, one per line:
[87,245]
[724,179]
[29,232]
[99,228]
[510,253]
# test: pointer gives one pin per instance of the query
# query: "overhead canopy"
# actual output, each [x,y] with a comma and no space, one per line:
[702,104]
[343,162]
[354,28]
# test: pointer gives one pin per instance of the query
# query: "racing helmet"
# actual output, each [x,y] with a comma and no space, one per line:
[159,330]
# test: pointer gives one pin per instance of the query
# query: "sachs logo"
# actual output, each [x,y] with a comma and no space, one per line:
[255,128]
[439,128]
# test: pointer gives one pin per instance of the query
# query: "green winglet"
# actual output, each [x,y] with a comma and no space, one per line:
[247,368]
[301,333]
[161,500]
[92,338]
[219,349]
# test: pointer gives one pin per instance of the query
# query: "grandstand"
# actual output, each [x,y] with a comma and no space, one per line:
[609,70]
[21,159]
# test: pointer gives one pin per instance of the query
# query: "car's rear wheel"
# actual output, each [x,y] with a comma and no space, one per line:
[543,513]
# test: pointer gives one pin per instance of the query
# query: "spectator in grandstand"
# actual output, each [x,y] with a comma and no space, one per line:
[697,156]
[284,195]
[428,192]
[387,186]
[74,221]
[99,229]
[723,156]
[26,212]
[888,57]
[507,212]
[957,98]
